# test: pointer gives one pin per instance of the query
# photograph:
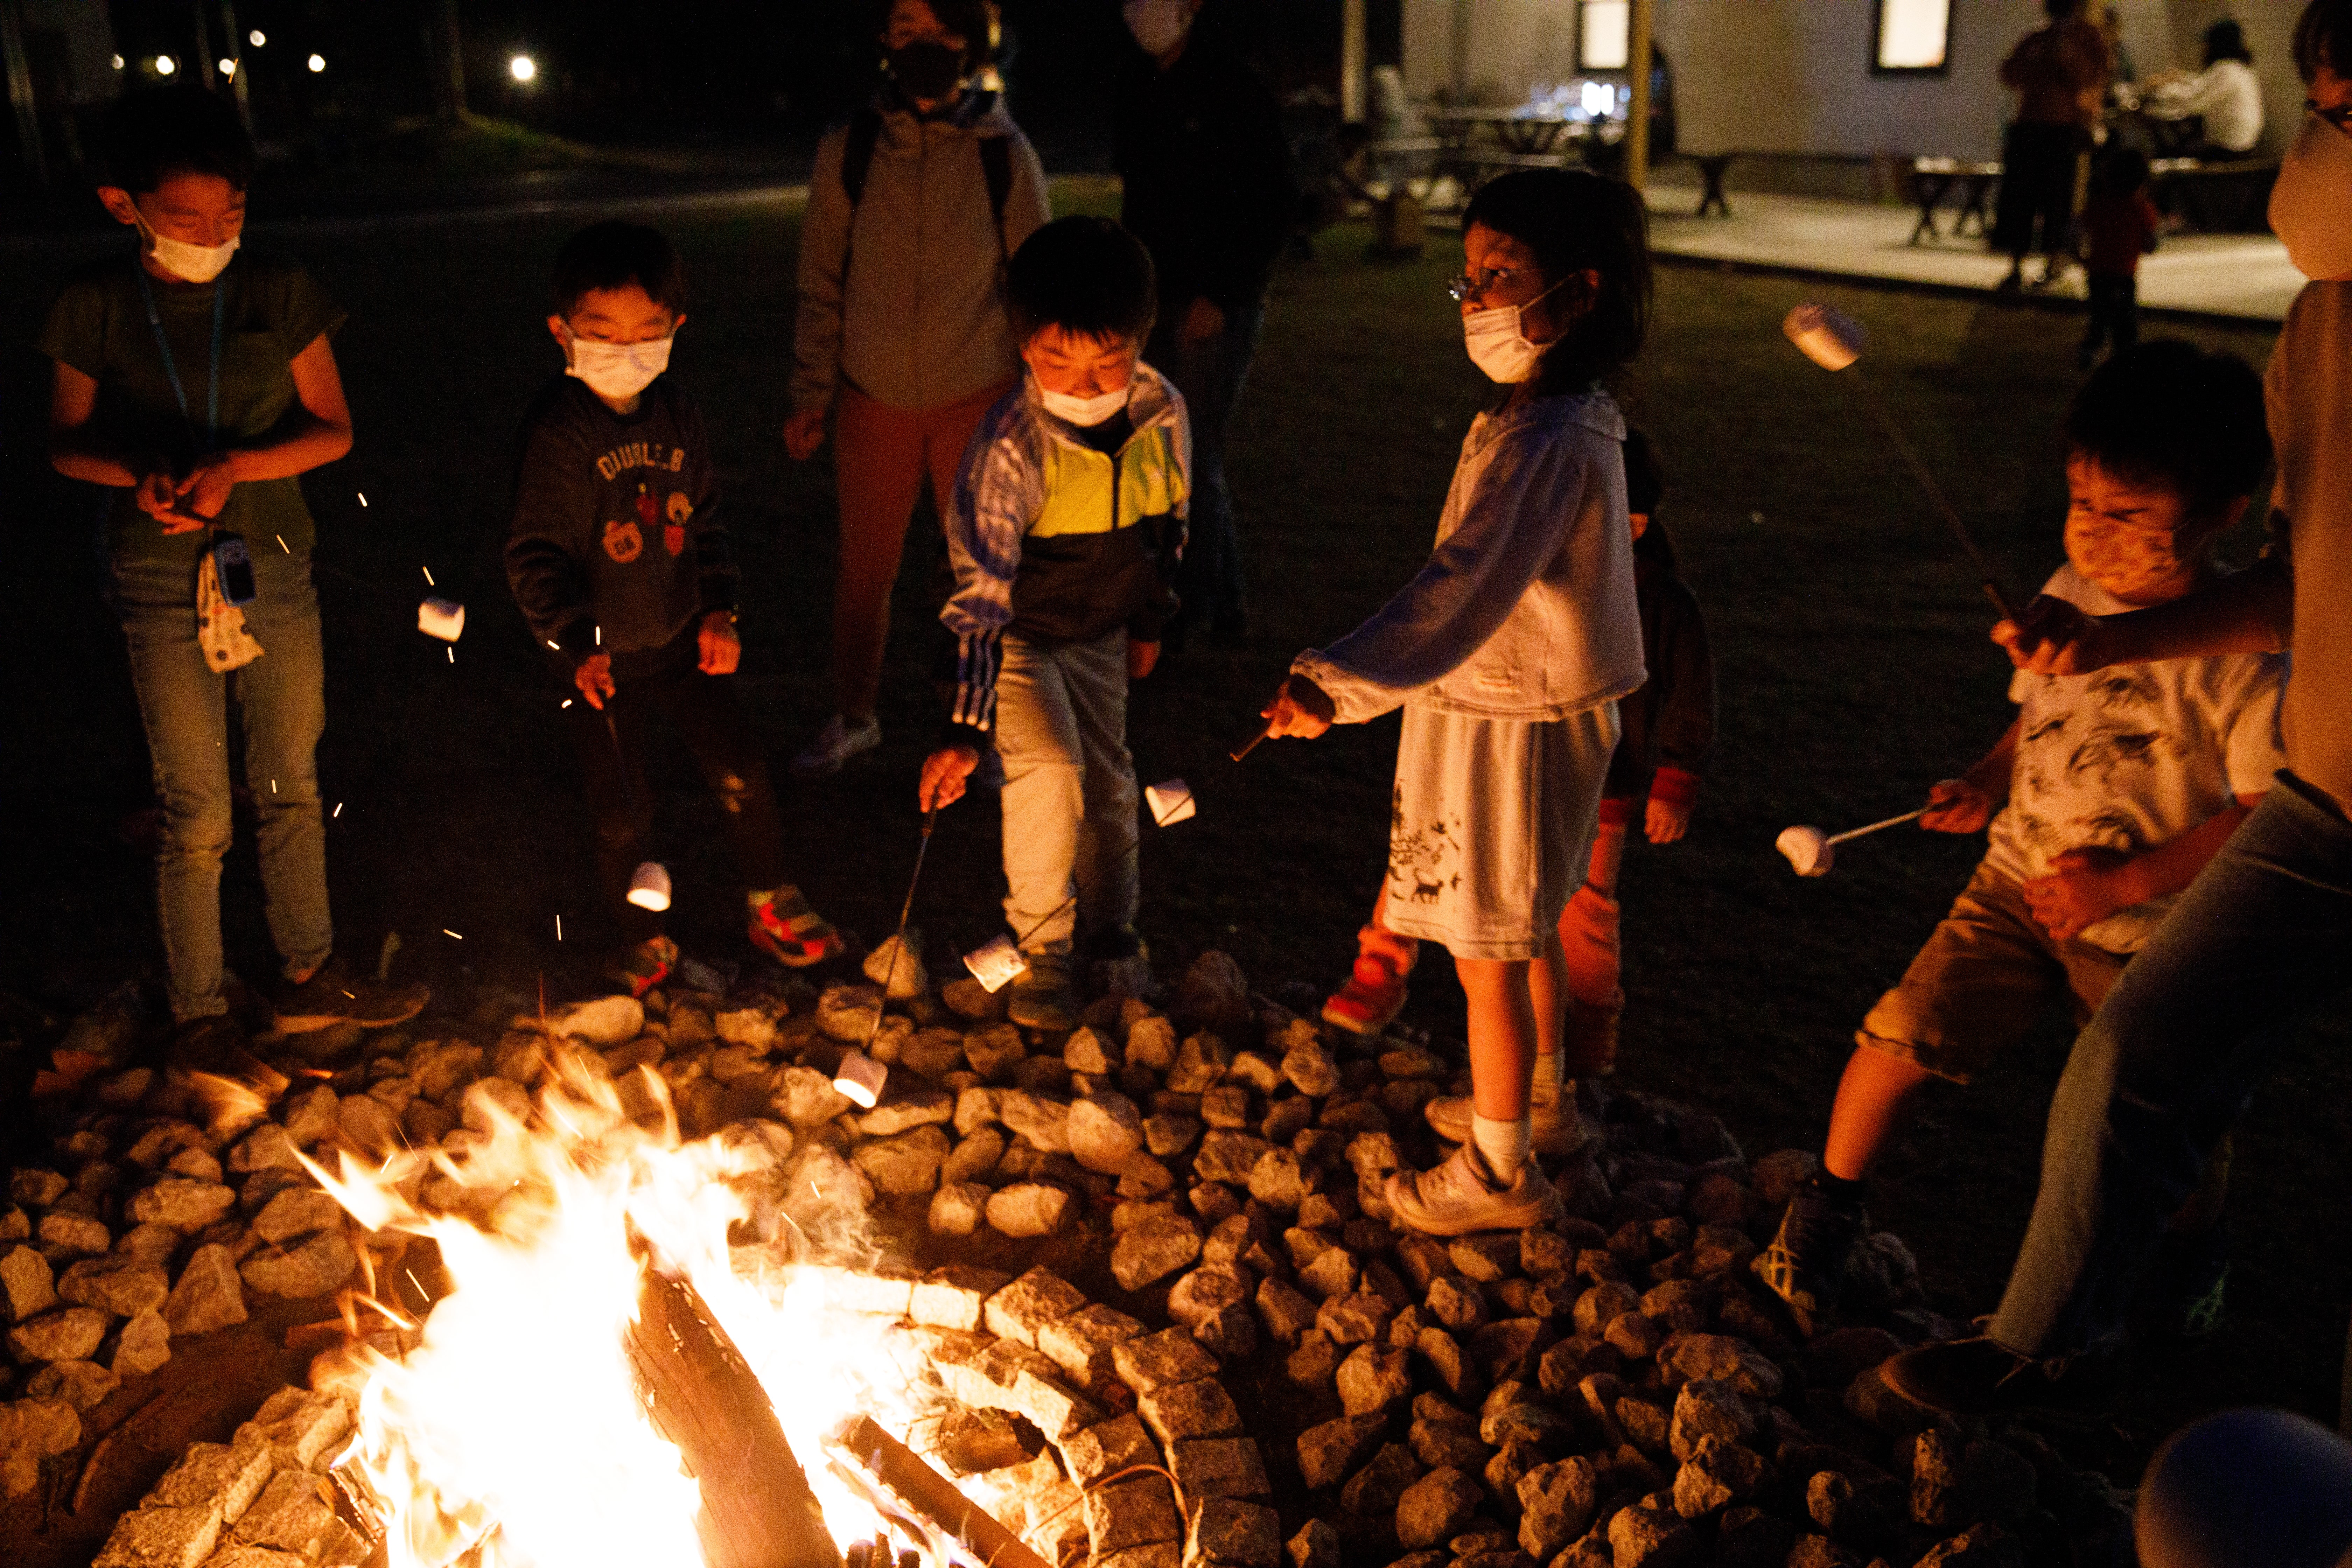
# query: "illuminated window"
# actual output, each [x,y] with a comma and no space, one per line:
[1601,35]
[1912,35]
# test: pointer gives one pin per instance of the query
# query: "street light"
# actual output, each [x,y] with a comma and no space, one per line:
[165,64]
[523,67]
[227,68]
[318,64]
[256,38]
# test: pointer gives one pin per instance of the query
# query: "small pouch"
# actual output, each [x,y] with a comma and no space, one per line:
[233,569]
[220,625]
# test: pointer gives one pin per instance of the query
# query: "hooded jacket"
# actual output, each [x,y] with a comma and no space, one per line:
[903,291]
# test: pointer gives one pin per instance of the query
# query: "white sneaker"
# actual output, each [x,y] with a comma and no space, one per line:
[1461,1196]
[1558,1127]
[840,738]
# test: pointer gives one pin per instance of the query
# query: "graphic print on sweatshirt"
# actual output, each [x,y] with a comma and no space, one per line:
[625,538]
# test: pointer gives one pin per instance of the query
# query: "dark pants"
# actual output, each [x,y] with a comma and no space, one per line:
[1210,374]
[2115,315]
[701,712]
[2037,189]
[2247,1489]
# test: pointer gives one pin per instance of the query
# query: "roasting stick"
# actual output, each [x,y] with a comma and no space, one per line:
[1874,827]
[906,911]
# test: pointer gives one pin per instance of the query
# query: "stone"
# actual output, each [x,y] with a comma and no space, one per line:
[974,1156]
[1213,994]
[1008,1376]
[994,1051]
[1603,1305]
[1169,1135]
[1103,1131]
[600,1021]
[954,1297]
[1646,1537]
[1717,1476]
[1317,1545]
[1199,1408]
[1018,1310]
[1865,1513]
[1144,1176]
[68,1333]
[161,1538]
[1450,1442]
[214,1473]
[1374,1378]
[491,1104]
[1728,1360]
[805,1099]
[1151,1043]
[1311,1071]
[1219,1466]
[1201,1063]
[27,1287]
[1136,1513]
[1207,1292]
[144,1344]
[34,1188]
[297,1425]
[957,1208]
[1153,1251]
[1150,1362]
[1284,1313]
[1280,1180]
[186,1206]
[1954,1487]
[1556,1505]
[80,1384]
[1355,1319]
[1513,1347]
[906,1165]
[1330,1452]
[208,1294]
[970,1000]
[1705,1409]
[289,1516]
[1370,1497]
[367,1124]
[1436,1508]
[1870,1400]
[1820,1552]
[1082,1344]
[1331,1272]
[1107,1447]
[905,1111]
[1986,1546]
[32,1430]
[1227,1156]
[313,1268]
[296,1210]
[1239,1534]
[1456,1373]
[1838,1357]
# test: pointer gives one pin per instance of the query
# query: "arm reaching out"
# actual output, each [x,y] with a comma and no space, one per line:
[1966,804]
[2251,611]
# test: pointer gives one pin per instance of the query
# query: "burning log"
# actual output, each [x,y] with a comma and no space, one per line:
[757,1508]
[879,1461]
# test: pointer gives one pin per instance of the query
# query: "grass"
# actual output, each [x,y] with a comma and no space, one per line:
[1855,671]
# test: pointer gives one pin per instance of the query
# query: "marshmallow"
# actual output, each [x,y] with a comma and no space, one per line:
[649,886]
[861,1077]
[1830,337]
[443,618]
[996,962]
[1170,802]
[1809,851]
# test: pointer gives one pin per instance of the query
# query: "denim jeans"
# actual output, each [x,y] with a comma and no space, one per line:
[1069,790]
[185,708]
[2259,940]
[1210,374]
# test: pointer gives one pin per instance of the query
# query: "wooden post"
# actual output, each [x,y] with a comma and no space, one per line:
[20,91]
[1351,61]
[201,66]
[1637,111]
[449,89]
[233,43]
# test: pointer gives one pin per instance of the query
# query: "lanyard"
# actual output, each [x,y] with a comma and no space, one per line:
[163,346]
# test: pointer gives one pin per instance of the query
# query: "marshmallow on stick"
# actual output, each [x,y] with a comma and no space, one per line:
[995,963]
[649,887]
[443,618]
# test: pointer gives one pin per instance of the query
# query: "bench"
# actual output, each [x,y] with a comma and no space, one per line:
[2215,195]
[1932,179]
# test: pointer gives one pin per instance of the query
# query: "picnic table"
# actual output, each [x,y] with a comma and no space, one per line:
[1476,144]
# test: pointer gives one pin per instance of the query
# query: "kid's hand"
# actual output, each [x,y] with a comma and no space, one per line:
[944,773]
[722,650]
[805,433]
[206,490]
[1666,820]
[593,676]
[1142,658]
[1957,805]
[2051,636]
[159,496]
[1301,708]
[2086,889]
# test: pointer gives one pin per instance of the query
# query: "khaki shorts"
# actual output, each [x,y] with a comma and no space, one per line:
[1983,981]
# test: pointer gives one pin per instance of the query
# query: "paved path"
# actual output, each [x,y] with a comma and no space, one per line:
[2242,276]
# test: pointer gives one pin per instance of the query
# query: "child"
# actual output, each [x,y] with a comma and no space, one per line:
[196,380]
[1508,653]
[618,556]
[1065,531]
[1669,727]
[2118,787]
[2120,225]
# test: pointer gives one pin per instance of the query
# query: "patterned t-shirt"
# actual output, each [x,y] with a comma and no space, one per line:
[2130,756]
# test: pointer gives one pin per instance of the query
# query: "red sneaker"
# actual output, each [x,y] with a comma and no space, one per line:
[644,966]
[1371,999]
[787,930]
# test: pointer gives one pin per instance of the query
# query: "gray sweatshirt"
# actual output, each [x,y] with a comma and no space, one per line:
[904,295]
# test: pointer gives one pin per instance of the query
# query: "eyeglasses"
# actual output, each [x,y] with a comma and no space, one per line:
[1466,287]
[2339,116]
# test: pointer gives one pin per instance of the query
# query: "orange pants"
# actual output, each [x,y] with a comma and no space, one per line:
[881,457]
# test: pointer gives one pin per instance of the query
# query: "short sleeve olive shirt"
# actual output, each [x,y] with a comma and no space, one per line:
[271,311]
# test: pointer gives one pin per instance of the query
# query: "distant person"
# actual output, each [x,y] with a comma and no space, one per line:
[195,381]
[1508,653]
[618,555]
[1197,140]
[903,335]
[1065,528]
[2218,110]
[2119,226]
[2263,940]
[2059,72]
[2105,796]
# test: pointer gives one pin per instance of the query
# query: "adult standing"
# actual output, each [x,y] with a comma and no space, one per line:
[2059,71]
[2223,101]
[903,335]
[1198,141]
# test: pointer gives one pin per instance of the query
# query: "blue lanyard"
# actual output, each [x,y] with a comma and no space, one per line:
[163,346]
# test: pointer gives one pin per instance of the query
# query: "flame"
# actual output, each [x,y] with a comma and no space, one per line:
[511,1425]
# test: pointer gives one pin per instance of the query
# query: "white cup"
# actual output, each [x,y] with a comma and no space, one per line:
[649,887]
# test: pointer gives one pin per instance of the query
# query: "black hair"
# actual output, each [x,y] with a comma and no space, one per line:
[2169,412]
[2323,37]
[2226,40]
[1087,275]
[2059,10]
[974,21]
[1645,488]
[2118,171]
[1577,221]
[155,133]
[612,255]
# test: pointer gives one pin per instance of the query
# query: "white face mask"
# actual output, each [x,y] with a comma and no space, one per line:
[1083,412]
[618,370]
[189,263]
[1497,346]
[2311,205]
[1158,24]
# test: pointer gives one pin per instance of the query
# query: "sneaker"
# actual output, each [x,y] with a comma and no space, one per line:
[840,738]
[1975,1377]
[1042,997]
[1806,1261]
[333,994]
[1370,999]
[1558,1128]
[213,1044]
[1461,1196]
[788,930]
[644,966]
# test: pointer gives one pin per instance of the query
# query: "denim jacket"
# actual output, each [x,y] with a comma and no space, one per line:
[1526,609]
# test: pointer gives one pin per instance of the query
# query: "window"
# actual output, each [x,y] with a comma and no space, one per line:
[1912,37]
[1602,41]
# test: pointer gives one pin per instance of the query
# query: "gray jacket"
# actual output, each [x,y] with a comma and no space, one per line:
[1526,609]
[905,295]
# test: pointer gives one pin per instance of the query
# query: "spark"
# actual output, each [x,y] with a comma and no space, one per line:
[362,494]
[600,637]
[566,704]
[428,576]
[453,655]
[451,934]
[553,644]
[273,786]
[283,545]
[339,808]
[559,928]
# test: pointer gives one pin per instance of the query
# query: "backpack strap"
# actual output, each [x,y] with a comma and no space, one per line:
[996,163]
[857,151]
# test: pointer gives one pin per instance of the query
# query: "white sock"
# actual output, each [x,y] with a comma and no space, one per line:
[1502,1144]
[1546,1090]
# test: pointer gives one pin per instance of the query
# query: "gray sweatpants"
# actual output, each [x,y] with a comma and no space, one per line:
[1069,799]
